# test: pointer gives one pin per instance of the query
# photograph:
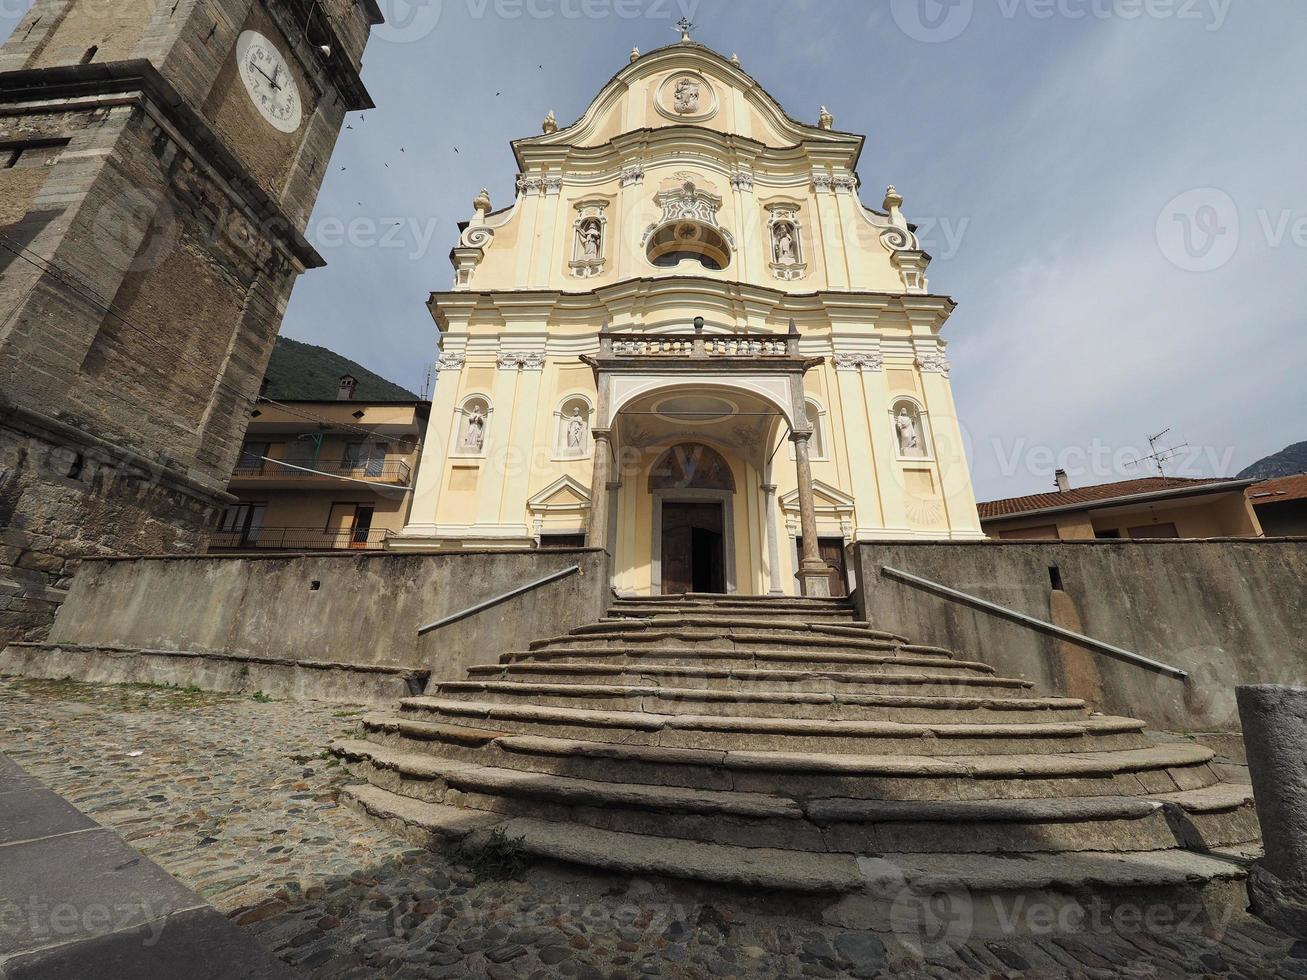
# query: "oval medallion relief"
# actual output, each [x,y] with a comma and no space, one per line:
[686,96]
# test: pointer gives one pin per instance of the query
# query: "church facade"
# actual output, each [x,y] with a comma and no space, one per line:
[688,341]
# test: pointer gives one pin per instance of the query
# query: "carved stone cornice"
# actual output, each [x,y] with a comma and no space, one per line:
[632,175]
[873,361]
[521,361]
[933,362]
[451,361]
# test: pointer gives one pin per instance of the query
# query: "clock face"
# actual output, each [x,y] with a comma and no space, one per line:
[269,81]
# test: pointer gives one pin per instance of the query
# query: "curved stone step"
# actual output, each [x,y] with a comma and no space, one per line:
[878,884]
[1138,772]
[768,820]
[789,734]
[695,639]
[728,624]
[728,678]
[736,598]
[673,656]
[847,706]
[1219,815]
[838,617]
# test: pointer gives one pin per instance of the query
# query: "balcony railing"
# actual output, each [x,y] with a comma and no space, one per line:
[390,471]
[297,539]
[681,345]
[699,345]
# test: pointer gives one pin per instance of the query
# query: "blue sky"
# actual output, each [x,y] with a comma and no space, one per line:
[1114,192]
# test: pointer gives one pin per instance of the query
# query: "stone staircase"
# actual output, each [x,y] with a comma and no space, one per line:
[778,743]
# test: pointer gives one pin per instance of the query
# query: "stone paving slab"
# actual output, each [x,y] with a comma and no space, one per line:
[196,945]
[77,902]
[77,886]
[238,800]
[26,814]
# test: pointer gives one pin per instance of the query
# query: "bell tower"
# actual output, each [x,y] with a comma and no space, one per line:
[159,160]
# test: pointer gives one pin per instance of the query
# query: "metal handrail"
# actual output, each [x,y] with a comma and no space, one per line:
[1033,623]
[511,594]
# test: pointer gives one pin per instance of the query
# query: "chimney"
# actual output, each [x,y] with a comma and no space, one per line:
[1063,481]
[349,386]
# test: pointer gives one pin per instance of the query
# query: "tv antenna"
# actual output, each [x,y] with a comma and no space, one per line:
[1160,455]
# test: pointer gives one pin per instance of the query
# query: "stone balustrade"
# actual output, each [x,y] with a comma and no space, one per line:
[689,345]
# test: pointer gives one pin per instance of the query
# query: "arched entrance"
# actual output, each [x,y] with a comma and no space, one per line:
[735,391]
[693,494]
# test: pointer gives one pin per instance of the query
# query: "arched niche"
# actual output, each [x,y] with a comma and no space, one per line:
[911,429]
[473,426]
[573,420]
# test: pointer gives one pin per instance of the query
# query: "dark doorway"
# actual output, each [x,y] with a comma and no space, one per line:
[832,553]
[694,548]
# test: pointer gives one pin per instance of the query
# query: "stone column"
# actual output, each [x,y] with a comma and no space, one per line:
[1275,735]
[773,544]
[598,536]
[814,576]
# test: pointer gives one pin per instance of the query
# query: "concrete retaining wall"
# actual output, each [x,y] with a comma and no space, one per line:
[294,679]
[336,608]
[1228,611]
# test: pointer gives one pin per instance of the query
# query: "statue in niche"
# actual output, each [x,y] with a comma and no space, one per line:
[591,240]
[686,96]
[909,440]
[576,431]
[785,253]
[474,433]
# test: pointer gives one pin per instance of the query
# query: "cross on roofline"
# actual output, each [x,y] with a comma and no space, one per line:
[685,27]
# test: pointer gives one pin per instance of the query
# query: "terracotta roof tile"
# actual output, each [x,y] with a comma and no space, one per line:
[1279,490]
[1012,506]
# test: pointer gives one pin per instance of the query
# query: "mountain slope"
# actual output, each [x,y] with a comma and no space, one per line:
[1287,462]
[301,371]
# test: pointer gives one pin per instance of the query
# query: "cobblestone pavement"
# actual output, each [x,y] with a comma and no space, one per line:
[236,798]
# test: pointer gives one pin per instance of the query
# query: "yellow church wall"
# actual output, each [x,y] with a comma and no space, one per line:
[527,305]
[839,244]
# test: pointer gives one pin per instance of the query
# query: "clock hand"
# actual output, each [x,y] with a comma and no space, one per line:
[266,75]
